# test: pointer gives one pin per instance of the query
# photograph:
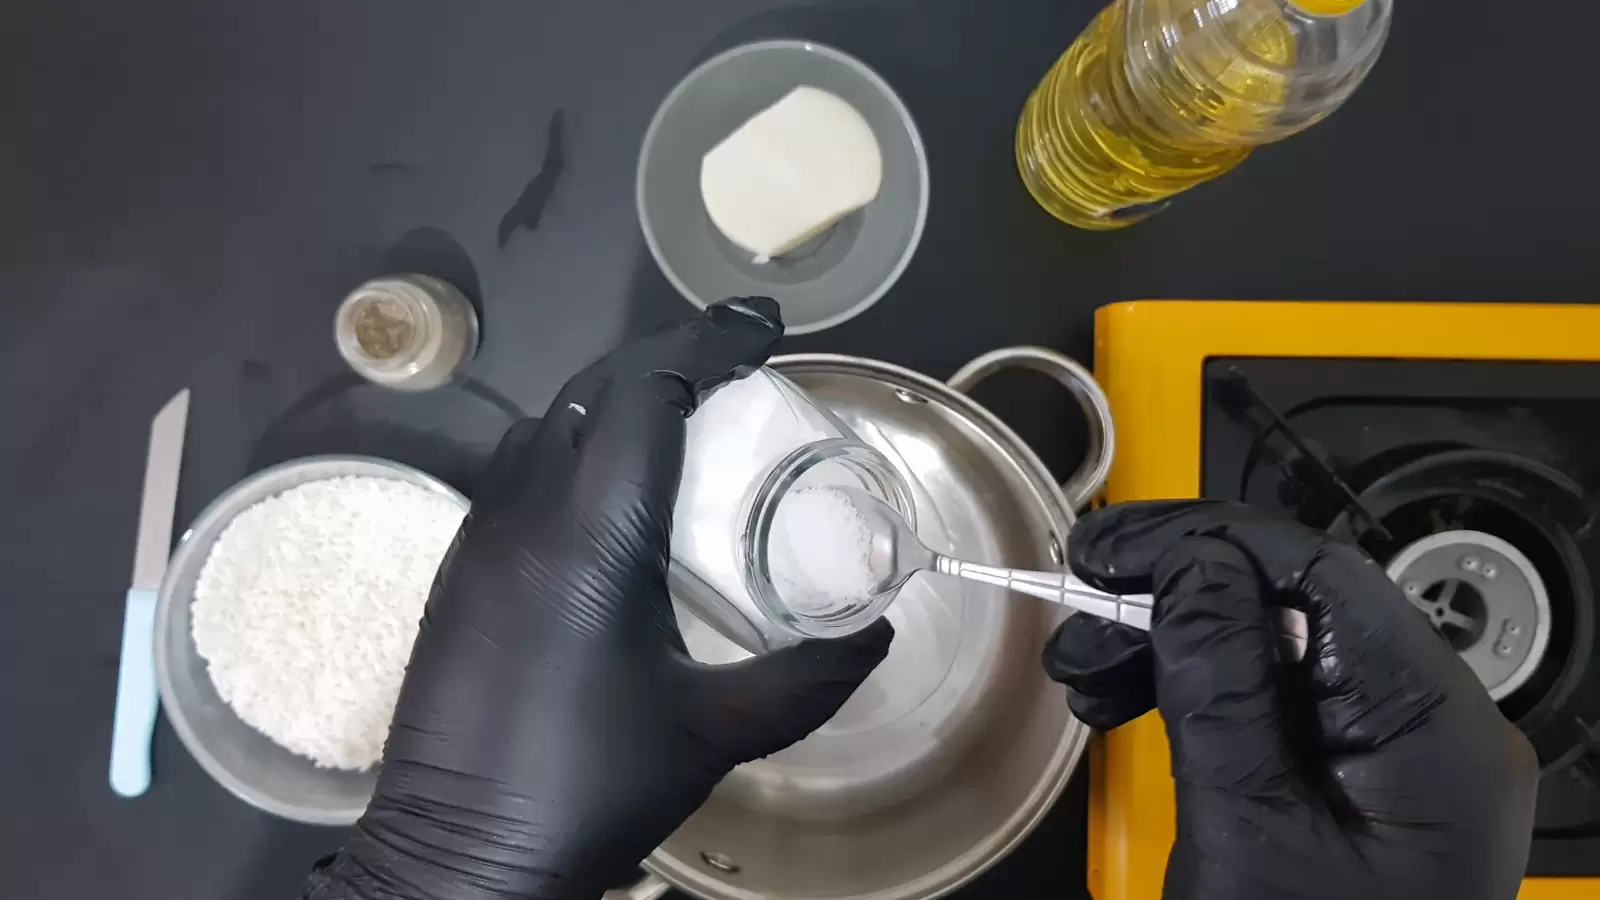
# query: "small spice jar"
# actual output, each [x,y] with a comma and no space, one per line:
[408,332]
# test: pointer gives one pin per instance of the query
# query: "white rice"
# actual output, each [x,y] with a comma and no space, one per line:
[308,605]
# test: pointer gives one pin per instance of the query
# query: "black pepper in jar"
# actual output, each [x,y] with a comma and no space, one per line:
[383,327]
[410,332]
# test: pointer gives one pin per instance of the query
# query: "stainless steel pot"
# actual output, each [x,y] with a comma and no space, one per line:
[907,796]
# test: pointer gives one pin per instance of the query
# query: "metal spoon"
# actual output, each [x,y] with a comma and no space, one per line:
[897,554]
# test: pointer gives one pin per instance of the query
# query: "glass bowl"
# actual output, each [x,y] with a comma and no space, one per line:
[241,759]
[838,274]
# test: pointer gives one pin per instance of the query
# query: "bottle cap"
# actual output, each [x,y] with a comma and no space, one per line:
[1327,7]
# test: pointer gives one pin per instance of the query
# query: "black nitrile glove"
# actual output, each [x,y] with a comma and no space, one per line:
[551,730]
[1377,768]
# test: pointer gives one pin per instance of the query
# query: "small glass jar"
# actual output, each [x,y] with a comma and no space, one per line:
[408,332]
[749,446]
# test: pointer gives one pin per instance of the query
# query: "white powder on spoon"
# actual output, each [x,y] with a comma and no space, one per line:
[308,605]
[819,551]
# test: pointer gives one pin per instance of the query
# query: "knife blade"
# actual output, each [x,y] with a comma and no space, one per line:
[134,719]
[160,499]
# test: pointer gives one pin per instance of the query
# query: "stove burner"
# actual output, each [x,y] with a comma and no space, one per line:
[1432,450]
[1503,500]
[1485,597]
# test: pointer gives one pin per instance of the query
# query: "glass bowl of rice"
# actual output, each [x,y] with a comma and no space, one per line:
[241,758]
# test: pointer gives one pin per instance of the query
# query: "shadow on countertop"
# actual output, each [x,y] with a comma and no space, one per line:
[449,432]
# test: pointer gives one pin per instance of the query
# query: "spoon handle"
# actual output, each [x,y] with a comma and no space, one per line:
[1132,610]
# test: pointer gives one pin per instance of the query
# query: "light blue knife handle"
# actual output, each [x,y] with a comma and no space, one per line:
[134,721]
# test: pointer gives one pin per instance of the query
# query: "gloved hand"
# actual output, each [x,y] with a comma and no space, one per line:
[551,730]
[1377,768]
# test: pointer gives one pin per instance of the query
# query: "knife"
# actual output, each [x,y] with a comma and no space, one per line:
[134,720]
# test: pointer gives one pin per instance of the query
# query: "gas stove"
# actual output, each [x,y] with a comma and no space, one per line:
[1459,445]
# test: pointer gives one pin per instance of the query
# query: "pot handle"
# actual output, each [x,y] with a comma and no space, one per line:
[649,887]
[1090,478]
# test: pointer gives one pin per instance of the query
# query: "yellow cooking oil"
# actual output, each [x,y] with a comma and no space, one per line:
[1157,96]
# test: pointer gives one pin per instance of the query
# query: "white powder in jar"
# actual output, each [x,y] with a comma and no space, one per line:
[819,550]
[308,605]
[736,436]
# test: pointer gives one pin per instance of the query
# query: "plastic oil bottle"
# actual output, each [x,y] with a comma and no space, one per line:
[1157,96]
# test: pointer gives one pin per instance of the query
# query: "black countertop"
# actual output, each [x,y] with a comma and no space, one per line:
[187,188]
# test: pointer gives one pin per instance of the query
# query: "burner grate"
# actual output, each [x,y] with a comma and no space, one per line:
[1388,453]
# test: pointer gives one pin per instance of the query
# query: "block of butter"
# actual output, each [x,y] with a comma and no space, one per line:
[789,173]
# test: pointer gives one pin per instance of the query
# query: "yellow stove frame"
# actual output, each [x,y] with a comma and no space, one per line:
[1149,357]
